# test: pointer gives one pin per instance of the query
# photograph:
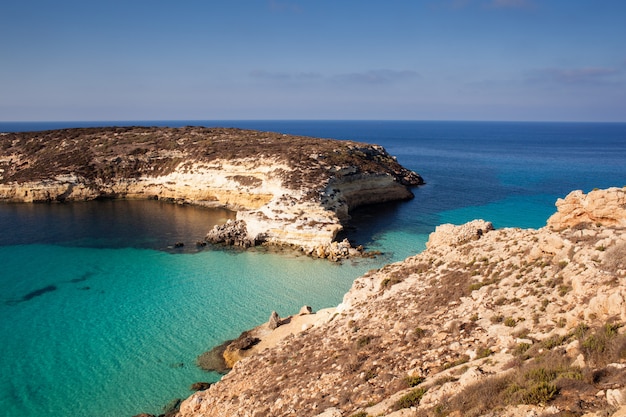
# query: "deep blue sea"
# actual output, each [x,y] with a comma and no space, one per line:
[100,315]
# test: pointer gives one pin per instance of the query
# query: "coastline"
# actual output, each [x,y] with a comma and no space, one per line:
[471,192]
[464,351]
[297,192]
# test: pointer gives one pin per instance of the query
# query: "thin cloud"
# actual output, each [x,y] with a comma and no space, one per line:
[573,75]
[382,76]
[372,77]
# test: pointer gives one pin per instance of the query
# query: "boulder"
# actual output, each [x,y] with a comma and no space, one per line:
[231,233]
[616,397]
[274,321]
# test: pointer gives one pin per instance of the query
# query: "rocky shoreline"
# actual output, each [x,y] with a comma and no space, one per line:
[508,322]
[287,190]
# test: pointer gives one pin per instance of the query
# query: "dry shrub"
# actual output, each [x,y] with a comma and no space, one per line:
[533,382]
[615,258]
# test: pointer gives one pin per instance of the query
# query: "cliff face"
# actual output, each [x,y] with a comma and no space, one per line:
[286,189]
[484,322]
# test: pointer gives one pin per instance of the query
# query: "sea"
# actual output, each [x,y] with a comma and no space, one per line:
[102,314]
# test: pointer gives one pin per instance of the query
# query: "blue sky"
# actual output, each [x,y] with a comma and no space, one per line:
[562,60]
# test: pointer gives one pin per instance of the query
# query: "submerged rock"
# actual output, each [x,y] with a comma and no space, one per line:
[213,360]
[200,386]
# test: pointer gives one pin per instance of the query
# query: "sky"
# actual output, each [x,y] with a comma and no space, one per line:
[502,60]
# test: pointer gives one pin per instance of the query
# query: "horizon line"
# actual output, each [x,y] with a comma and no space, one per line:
[309,120]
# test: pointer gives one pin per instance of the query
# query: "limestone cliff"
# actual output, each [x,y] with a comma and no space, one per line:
[484,322]
[286,189]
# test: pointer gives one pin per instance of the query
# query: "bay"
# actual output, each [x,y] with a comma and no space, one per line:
[101,315]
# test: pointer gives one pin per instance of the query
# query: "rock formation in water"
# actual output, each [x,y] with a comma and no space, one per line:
[484,322]
[286,189]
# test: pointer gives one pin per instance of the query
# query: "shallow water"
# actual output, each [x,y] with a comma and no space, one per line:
[82,326]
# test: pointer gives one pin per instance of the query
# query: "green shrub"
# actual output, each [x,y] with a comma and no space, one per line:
[532,382]
[564,289]
[413,381]
[602,345]
[610,329]
[554,341]
[483,352]
[540,374]
[521,348]
[540,393]
[412,399]
[580,331]
[510,322]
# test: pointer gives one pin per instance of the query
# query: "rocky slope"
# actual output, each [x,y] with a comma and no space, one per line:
[484,322]
[286,189]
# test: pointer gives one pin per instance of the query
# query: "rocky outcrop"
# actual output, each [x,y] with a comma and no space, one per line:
[506,322]
[232,233]
[607,207]
[287,190]
[449,234]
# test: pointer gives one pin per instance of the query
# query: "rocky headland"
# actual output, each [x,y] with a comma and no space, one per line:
[508,322]
[286,190]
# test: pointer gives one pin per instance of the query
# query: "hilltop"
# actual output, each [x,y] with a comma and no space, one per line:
[508,322]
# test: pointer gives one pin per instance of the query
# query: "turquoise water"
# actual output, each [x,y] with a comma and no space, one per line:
[114,332]
[101,315]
